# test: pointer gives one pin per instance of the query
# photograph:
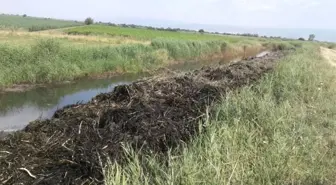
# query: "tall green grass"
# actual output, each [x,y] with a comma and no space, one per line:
[53,60]
[188,49]
[279,131]
[48,60]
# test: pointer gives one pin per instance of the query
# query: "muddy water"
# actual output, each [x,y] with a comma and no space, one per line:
[17,109]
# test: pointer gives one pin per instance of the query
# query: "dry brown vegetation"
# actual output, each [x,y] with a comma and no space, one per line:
[21,37]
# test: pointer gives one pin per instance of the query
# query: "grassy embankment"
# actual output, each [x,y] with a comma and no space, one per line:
[54,59]
[279,131]
[15,22]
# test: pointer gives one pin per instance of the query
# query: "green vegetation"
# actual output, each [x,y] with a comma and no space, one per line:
[48,60]
[33,23]
[201,31]
[279,131]
[189,49]
[141,33]
[54,56]
[88,21]
[52,60]
[330,45]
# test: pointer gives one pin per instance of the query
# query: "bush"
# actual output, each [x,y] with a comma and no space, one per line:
[332,46]
[46,48]
[89,21]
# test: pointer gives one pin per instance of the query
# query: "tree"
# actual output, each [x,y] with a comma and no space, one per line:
[88,21]
[24,15]
[302,39]
[311,37]
[201,31]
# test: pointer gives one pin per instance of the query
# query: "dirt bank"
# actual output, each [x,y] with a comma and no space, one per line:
[329,55]
[152,114]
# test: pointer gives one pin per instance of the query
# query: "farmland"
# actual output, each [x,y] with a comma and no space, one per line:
[15,22]
[146,34]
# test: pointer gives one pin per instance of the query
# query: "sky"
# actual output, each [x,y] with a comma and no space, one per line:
[252,13]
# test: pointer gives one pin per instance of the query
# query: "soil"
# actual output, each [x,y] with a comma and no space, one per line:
[329,55]
[150,115]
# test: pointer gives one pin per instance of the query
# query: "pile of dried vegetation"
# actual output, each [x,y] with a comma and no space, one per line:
[153,114]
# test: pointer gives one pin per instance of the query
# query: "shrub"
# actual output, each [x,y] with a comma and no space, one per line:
[46,48]
[332,46]
[89,21]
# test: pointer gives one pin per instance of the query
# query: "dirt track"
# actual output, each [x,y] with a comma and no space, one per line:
[329,55]
[152,115]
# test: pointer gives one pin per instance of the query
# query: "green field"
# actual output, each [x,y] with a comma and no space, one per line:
[142,33]
[58,55]
[33,23]
[279,131]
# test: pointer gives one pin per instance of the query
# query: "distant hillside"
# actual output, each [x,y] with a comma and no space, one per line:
[34,23]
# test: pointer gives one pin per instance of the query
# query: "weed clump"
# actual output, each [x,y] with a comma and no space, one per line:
[332,46]
[46,47]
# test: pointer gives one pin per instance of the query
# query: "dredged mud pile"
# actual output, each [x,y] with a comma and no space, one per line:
[152,114]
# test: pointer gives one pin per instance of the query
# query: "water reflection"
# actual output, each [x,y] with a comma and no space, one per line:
[19,108]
